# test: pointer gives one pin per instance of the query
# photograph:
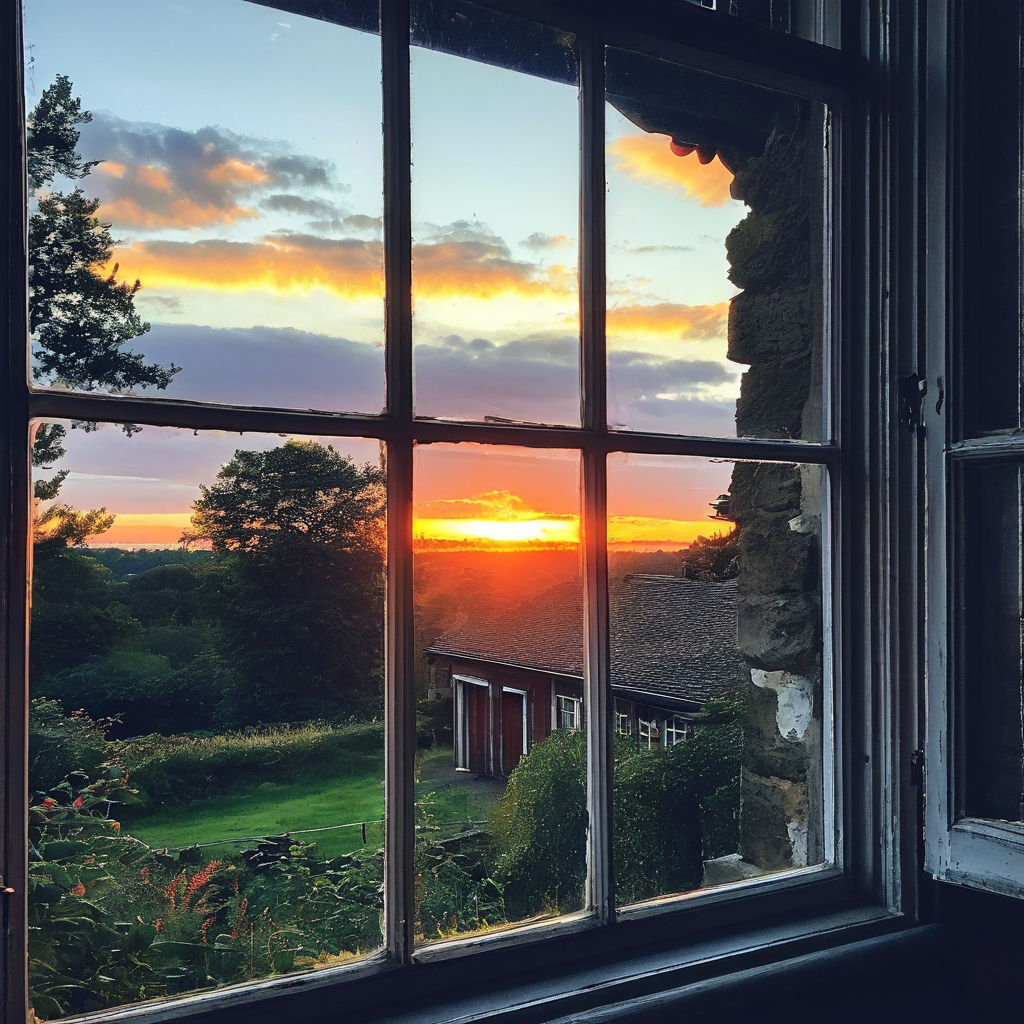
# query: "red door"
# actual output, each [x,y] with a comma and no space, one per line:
[513,714]
[478,726]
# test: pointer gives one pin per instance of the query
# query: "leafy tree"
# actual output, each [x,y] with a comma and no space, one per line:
[712,558]
[81,317]
[297,533]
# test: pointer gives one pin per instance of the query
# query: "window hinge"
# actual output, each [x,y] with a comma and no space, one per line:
[913,389]
[917,768]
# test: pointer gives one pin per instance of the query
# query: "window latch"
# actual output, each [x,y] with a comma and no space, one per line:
[917,769]
[913,389]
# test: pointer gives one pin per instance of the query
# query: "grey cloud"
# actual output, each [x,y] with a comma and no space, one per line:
[288,203]
[270,367]
[640,250]
[198,166]
[361,222]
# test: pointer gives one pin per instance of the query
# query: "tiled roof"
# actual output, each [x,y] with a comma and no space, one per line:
[670,637]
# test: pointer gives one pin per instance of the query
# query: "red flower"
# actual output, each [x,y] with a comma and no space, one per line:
[79,890]
[49,802]
[78,802]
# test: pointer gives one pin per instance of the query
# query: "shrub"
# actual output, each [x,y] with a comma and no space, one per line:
[540,824]
[59,744]
[177,769]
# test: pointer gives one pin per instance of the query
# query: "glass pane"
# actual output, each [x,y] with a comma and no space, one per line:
[495,211]
[989,620]
[715,609]
[501,765]
[715,246]
[206,751]
[235,171]
[991,374]
[814,20]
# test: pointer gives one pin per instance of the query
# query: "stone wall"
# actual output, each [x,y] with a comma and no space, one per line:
[775,328]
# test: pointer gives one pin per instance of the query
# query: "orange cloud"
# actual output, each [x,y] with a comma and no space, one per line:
[286,263]
[349,268]
[152,177]
[237,172]
[178,213]
[648,158]
[492,518]
[675,318]
[112,168]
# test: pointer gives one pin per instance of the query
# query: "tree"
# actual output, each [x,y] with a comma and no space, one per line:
[297,534]
[712,558]
[81,317]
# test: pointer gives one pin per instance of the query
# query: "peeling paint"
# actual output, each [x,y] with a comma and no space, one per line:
[794,700]
[798,840]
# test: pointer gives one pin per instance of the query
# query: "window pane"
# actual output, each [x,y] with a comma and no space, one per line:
[990,635]
[234,169]
[716,656]
[715,254]
[501,766]
[495,211]
[206,753]
[988,177]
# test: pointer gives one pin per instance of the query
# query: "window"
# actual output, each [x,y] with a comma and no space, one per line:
[974,761]
[570,713]
[555,273]
[623,723]
[676,730]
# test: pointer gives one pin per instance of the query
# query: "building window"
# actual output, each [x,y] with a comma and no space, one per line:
[677,729]
[649,731]
[301,350]
[570,713]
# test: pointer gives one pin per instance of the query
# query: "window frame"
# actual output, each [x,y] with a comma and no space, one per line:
[961,849]
[859,874]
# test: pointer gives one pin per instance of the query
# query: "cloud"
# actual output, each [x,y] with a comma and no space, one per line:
[270,367]
[290,262]
[538,240]
[288,203]
[285,262]
[648,158]
[641,250]
[156,177]
[499,504]
[674,318]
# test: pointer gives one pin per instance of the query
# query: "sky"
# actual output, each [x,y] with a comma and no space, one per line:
[249,205]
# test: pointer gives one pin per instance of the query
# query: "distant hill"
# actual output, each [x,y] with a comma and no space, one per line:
[124,564]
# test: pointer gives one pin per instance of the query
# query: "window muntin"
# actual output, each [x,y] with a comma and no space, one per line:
[400,438]
[256,231]
[677,729]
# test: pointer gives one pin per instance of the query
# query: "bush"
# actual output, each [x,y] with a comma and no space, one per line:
[656,823]
[177,769]
[60,744]
[541,827]
[672,809]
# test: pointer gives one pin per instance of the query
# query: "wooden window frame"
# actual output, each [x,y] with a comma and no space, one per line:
[864,889]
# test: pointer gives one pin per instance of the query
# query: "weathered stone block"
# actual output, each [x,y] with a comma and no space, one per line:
[770,324]
[773,821]
[772,399]
[766,249]
[779,632]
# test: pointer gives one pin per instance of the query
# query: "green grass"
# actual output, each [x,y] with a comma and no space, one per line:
[271,808]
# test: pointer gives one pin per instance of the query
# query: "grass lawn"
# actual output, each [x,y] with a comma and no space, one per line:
[271,808]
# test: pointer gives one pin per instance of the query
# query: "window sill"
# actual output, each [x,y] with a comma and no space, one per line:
[604,983]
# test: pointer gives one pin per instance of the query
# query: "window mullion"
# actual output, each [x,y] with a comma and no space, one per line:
[600,891]
[400,697]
